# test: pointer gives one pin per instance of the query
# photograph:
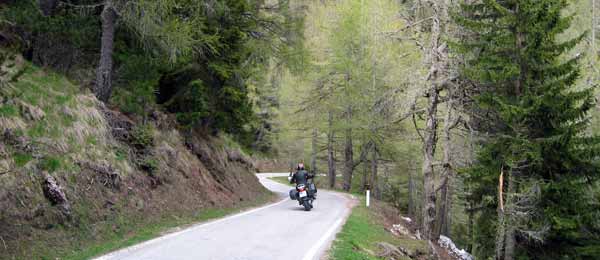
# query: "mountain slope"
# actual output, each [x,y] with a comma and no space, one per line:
[75,174]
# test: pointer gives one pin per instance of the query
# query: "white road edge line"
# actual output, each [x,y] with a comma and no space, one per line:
[195,227]
[312,252]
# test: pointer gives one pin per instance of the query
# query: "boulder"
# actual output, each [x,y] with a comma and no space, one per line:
[54,193]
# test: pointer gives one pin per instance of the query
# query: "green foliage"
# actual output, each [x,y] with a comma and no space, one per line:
[22,159]
[536,120]
[235,42]
[120,153]
[39,129]
[74,27]
[193,105]
[50,163]
[143,136]
[232,40]
[7,110]
[140,72]
[149,164]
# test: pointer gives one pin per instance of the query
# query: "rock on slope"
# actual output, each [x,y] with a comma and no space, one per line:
[73,171]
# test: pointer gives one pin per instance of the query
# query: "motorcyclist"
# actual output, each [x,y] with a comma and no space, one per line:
[301,176]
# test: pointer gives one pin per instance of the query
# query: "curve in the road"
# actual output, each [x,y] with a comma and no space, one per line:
[282,230]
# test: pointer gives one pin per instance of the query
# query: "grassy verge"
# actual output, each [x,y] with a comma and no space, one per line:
[140,232]
[363,230]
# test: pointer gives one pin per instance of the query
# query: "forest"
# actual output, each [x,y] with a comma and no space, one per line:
[476,118]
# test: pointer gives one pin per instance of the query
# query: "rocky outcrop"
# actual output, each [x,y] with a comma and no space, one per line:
[54,193]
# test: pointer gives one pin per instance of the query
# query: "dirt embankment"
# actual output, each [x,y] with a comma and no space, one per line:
[73,172]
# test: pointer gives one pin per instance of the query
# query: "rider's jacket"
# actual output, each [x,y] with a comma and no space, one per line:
[301,177]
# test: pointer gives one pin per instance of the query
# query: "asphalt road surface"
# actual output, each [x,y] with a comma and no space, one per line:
[282,230]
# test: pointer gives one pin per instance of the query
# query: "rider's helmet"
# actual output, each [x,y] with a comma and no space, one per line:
[300,166]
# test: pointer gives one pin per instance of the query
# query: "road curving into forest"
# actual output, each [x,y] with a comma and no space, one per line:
[282,230]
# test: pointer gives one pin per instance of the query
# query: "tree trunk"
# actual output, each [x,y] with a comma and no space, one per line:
[348,157]
[509,214]
[443,223]
[509,219]
[429,210]
[313,156]
[374,168]
[330,155]
[103,86]
[505,231]
[411,193]
[470,225]
[437,58]
[365,177]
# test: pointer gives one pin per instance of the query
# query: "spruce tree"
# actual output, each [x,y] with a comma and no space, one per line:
[536,167]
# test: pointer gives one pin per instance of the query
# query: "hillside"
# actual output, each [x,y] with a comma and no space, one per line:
[75,174]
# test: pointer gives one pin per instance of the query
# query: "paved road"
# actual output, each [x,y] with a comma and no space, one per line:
[282,230]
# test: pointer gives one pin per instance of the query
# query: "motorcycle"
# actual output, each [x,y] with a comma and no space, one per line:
[304,194]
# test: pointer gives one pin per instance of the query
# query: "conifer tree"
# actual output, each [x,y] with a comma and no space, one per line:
[536,166]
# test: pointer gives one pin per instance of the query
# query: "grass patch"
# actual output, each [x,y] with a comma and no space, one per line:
[68,120]
[139,232]
[120,153]
[22,159]
[38,130]
[50,164]
[91,140]
[363,229]
[8,111]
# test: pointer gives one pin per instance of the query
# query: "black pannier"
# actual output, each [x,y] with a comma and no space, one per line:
[293,194]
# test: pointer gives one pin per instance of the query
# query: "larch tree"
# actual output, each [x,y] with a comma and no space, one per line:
[437,79]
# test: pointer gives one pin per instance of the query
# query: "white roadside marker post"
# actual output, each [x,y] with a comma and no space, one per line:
[368,189]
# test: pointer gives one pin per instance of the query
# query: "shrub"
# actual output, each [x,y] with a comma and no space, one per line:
[143,136]
[50,164]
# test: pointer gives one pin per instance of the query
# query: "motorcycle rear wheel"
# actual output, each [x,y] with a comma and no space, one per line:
[307,206]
